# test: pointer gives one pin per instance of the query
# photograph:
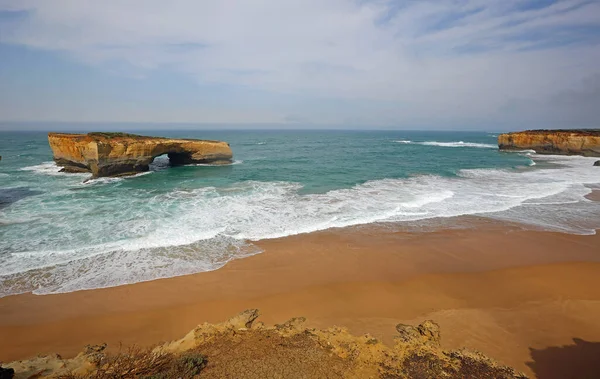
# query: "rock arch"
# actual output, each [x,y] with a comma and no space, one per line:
[118,154]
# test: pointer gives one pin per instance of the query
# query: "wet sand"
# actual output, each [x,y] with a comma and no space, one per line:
[492,287]
[594,196]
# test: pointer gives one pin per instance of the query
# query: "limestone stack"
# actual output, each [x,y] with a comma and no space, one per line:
[584,142]
[118,154]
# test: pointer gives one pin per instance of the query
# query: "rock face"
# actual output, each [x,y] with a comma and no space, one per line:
[427,333]
[245,348]
[566,142]
[117,154]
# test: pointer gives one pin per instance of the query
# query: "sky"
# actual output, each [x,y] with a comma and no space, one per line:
[406,64]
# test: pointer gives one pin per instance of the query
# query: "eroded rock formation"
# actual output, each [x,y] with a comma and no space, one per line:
[245,348]
[116,154]
[567,142]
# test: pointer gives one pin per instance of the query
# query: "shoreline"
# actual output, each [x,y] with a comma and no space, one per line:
[492,286]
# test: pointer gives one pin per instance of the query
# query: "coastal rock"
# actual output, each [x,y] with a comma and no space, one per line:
[427,333]
[584,142]
[244,319]
[117,154]
[597,163]
[244,348]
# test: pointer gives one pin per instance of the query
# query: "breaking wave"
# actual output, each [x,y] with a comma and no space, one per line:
[143,234]
[451,144]
[236,162]
[46,168]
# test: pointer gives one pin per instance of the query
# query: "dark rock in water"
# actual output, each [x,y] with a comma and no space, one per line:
[72,169]
[597,163]
[7,373]
[11,195]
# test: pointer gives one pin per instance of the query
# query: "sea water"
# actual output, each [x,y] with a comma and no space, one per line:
[61,233]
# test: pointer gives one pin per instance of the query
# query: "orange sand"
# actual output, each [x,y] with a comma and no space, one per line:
[495,288]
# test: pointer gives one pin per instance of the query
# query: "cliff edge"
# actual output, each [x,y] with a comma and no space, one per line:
[117,154]
[245,348]
[584,142]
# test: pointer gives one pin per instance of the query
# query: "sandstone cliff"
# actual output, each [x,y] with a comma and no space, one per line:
[245,348]
[566,142]
[115,154]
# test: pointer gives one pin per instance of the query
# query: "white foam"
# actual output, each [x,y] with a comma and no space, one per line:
[104,180]
[120,267]
[117,179]
[46,168]
[52,169]
[460,144]
[216,165]
[451,144]
[17,220]
[526,151]
[148,235]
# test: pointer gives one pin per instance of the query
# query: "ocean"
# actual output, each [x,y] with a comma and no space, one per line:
[60,233]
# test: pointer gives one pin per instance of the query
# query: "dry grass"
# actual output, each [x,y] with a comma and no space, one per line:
[116,135]
[145,363]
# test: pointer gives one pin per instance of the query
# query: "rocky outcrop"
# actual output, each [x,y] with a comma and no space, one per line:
[245,348]
[117,154]
[597,163]
[427,333]
[584,142]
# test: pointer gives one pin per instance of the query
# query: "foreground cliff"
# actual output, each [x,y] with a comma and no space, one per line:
[566,142]
[245,348]
[115,154]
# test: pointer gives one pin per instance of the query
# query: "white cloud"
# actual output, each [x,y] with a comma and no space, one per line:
[437,60]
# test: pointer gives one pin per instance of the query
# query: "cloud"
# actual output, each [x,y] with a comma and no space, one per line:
[434,60]
[575,108]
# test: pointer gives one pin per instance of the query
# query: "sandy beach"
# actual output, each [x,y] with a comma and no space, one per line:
[299,190]
[496,288]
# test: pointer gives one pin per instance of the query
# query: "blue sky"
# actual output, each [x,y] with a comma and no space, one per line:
[456,64]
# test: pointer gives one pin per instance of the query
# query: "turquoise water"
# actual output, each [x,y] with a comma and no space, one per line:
[59,234]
